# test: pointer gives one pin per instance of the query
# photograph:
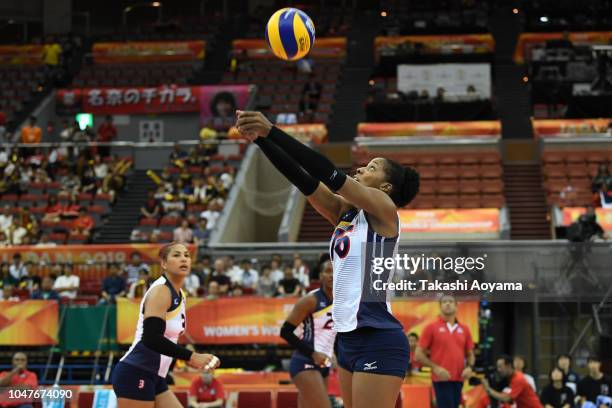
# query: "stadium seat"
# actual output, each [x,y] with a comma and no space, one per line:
[151,222]
[287,399]
[254,399]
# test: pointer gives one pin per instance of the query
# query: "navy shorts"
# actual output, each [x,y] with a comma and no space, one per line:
[448,393]
[300,362]
[135,383]
[375,351]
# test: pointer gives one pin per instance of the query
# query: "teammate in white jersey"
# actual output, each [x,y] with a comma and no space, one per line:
[372,350]
[308,328]
[139,379]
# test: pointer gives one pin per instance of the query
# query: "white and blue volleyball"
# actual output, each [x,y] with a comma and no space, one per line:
[290,34]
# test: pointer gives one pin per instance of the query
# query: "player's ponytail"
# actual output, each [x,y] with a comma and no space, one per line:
[404,181]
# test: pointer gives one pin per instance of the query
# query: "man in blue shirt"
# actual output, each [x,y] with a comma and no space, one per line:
[46,291]
[113,285]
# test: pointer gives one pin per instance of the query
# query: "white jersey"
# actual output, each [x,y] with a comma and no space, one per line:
[143,357]
[316,329]
[353,247]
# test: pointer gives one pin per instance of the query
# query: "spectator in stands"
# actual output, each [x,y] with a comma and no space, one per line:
[213,213]
[83,225]
[67,284]
[312,89]
[289,285]
[135,267]
[71,208]
[113,285]
[4,240]
[276,272]
[19,377]
[413,341]
[107,132]
[206,392]
[472,93]
[151,209]
[178,153]
[219,275]
[602,178]
[519,365]
[192,283]
[213,290]
[172,206]
[556,394]
[139,287]
[518,391]
[424,95]
[227,178]
[70,183]
[223,109]
[201,233]
[18,269]
[570,377]
[183,234]
[440,95]
[6,219]
[45,242]
[595,383]
[46,291]
[205,267]
[233,271]
[265,284]
[100,168]
[249,276]
[7,294]
[563,42]
[52,52]
[30,133]
[5,277]
[300,271]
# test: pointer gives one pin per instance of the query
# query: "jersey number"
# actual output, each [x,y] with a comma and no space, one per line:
[342,242]
[328,324]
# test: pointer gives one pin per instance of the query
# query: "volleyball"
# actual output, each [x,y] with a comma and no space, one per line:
[290,34]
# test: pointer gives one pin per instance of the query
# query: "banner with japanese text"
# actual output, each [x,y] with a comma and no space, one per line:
[527,41]
[147,51]
[28,323]
[478,220]
[210,101]
[604,216]
[258,320]
[332,47]
[30,54]
[569,127]
[475,128]
[439,44]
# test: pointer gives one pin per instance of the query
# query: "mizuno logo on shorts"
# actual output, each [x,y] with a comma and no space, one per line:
[370,366]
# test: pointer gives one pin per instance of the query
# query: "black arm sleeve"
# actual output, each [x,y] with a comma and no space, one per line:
[287,334]
[287,166]
[319,166]
[153,338]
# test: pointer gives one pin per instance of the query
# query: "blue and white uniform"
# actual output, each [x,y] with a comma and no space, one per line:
[316,331]
[141,372]
[370,338]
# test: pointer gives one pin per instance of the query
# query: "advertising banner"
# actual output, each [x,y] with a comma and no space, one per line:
[332,47]
[604,216]
[21,54]
[475,128]
[440,44]
[454,78]
[258,320]
[207,100]
[569,127]
[28,323]
[527,41]
[476,220]
[147,51]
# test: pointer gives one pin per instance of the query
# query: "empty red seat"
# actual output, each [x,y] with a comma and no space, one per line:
[152,222]
[287,399]
[553,158]
[492,187]
[254,399]
[169,221]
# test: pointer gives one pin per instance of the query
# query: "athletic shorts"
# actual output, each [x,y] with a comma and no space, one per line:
[376,351]
[300,362]
[135,383]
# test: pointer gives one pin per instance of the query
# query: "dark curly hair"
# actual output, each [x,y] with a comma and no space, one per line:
[404,181]
[225,97]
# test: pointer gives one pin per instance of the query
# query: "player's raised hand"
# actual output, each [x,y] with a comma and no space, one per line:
[253,124]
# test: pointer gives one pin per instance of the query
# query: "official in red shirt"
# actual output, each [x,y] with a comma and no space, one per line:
[206,392]
[107,132]
[18,378]
[445,346]
[518,392]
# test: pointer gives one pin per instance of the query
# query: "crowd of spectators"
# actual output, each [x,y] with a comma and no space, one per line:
[54,187]
[221,277]
[189,197]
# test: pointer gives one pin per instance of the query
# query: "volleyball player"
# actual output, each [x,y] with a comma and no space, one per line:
[310,362]
[372,349]
[139,379]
